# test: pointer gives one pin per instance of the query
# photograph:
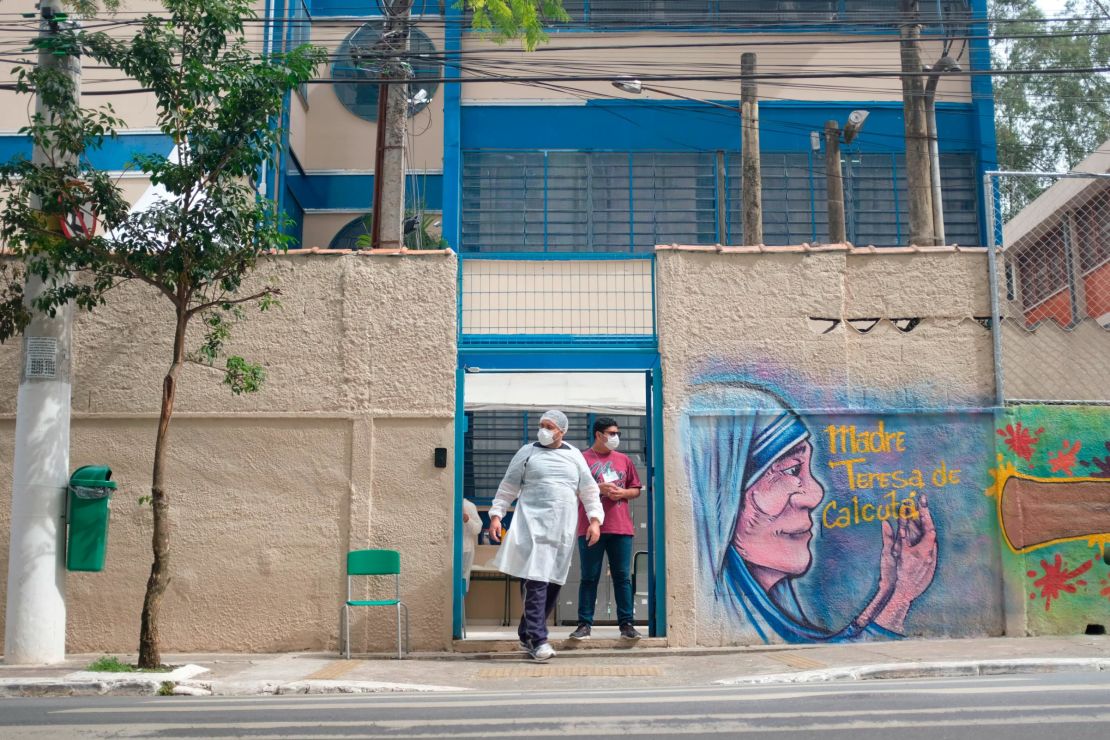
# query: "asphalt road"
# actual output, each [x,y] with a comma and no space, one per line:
[1074,706]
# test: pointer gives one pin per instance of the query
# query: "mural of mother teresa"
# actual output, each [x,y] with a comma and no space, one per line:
[754,493]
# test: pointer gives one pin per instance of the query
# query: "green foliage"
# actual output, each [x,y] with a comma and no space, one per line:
[166,688]
[216,99]
[510,19]
[90,7]
[242,376]
[1050,122]
[419,238]
[110,664]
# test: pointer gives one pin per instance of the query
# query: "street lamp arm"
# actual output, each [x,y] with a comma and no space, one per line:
[635,87]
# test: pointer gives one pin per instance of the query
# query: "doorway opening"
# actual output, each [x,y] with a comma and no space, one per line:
[499,413]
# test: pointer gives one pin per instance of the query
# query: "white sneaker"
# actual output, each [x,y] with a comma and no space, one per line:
[543,652]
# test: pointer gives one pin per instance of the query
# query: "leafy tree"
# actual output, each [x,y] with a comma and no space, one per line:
[1050,122]
[216,99]
[510,19]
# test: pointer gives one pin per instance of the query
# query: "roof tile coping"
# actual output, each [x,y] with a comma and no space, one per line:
[402,252]
[807,248]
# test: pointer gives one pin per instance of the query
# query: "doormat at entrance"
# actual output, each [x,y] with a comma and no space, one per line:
[571,671]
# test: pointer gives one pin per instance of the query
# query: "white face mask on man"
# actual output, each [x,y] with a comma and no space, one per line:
[545,436]
[613,441]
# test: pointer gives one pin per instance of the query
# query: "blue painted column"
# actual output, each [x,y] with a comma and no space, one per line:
[982,100]
[451,223]
[452,128]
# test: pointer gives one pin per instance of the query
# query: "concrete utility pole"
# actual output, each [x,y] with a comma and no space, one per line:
[918,171]
[834,183]
[388,219]
[751,175]
[35,624]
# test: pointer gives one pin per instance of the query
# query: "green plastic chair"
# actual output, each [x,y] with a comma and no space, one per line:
[374,563]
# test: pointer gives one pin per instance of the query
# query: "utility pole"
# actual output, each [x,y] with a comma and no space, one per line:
[751,175]
[388,217]
[35,618]
[834,183]
[918,169]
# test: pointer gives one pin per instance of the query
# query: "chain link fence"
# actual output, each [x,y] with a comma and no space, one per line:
[1050,267]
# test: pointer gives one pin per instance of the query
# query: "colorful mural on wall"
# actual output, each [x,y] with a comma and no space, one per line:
[834,525]
[1051,489]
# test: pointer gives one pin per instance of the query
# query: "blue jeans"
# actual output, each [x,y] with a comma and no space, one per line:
[619,549]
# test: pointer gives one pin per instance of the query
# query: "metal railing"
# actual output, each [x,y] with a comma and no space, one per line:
[559,299]
[617,13]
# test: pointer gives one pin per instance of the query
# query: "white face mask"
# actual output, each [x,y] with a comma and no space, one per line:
[613,441]
[545,436]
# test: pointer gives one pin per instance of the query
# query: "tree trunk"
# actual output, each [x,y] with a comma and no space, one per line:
[150,655]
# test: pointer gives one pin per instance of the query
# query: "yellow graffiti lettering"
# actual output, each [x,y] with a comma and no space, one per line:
[866,480]
[848,465]
[848,439]
[843,519]
[908,510]
[835,516]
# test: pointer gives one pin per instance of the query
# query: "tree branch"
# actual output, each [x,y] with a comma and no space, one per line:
[234,302]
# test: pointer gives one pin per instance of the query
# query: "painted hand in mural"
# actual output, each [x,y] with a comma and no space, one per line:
[910,552]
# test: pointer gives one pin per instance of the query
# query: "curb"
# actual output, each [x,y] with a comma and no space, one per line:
[939,669]
[89,683]
[43,688]
[50,687]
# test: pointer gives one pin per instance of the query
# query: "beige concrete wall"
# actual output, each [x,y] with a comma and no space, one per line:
[269,491]
[136,109]
[321,228]
[759,310]
[706,51]
[337,139]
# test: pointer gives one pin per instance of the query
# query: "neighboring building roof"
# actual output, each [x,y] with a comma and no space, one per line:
[1045,210]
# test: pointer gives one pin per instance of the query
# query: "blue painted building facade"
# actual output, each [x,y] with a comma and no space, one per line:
[578,167]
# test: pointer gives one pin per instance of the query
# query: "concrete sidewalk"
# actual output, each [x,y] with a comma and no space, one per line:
[600,666]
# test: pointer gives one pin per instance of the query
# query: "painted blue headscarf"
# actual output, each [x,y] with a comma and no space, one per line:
[735,431]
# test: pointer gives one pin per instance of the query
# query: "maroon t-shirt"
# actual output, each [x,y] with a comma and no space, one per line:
[618,517]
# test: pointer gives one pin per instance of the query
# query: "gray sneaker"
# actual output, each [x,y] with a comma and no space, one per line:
[582,633]
[628,632]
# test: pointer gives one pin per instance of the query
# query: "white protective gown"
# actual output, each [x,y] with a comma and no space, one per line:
[471,529]
[546,484]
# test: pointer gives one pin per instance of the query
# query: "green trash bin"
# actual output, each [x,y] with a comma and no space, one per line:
[90,491]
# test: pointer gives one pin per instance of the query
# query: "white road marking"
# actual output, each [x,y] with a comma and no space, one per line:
[731,723]
[266,705]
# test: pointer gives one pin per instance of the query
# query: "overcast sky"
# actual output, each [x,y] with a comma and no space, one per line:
[1051,8]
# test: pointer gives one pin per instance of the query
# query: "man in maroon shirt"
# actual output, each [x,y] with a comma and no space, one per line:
[616,476]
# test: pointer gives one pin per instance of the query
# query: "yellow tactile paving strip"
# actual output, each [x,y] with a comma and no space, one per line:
[333,671]
[571,671]
[794,660]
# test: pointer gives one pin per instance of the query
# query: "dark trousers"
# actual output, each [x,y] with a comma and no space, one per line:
[618,547]
[539,601]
